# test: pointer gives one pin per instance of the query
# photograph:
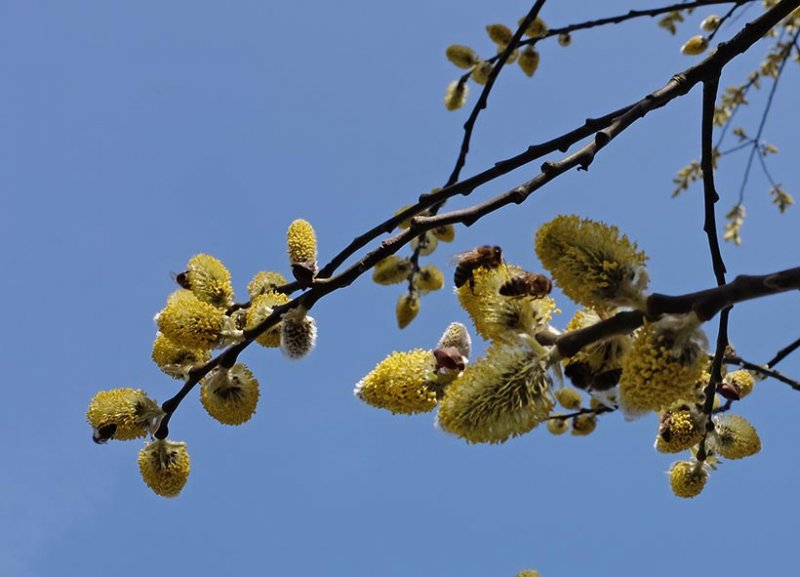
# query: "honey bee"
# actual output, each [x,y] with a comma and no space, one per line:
[484,256]
[527,285]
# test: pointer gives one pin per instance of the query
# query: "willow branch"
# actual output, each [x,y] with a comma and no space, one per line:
[783,353]
[678,85]
[705,304]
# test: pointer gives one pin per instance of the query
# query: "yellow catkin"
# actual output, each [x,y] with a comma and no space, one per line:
[680,429]
[230,395]
[687,479]
[663,365]
[264,282]
[529,60]
[404,382]
[429,278]
[498,317]
[210,281]
[129,412]
[456,95]
[734,437]
[568,398]
[461,56]
[584,424]
[504,394]
[176,360]
[406,310]
[392,270]
[189,322]
[165,467]
[260,308]
[301,242]
[695,46]
[592,263]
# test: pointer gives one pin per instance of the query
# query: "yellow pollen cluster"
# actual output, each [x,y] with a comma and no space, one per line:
[190,322]
[230,395]
[176,360]
[687,479]
[302,243]
[164,466]
[130,410]
[264,282]
[662,367]
[210,281]
[591,263]
[680,429]
[403,382]
[504,394]
[734,437]
[499,317]
[260,308]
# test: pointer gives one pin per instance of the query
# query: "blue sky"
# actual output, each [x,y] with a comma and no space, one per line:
[136,134]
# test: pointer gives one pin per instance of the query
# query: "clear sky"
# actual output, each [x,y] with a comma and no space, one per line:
[136,134]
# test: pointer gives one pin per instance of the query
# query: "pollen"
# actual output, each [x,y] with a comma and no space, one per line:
[429,278]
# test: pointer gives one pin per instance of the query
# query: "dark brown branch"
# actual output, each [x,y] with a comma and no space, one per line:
[715,299]
[710,198]
[679,85]
[465,187]
[706,304]
[710,195]
[597,411]
[783,353]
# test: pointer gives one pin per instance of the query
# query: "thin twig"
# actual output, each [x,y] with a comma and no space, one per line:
[763,370]
[783,353]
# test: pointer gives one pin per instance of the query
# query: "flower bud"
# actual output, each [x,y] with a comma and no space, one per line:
[462,56]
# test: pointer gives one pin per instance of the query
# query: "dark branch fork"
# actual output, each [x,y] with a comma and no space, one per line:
[611,126]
